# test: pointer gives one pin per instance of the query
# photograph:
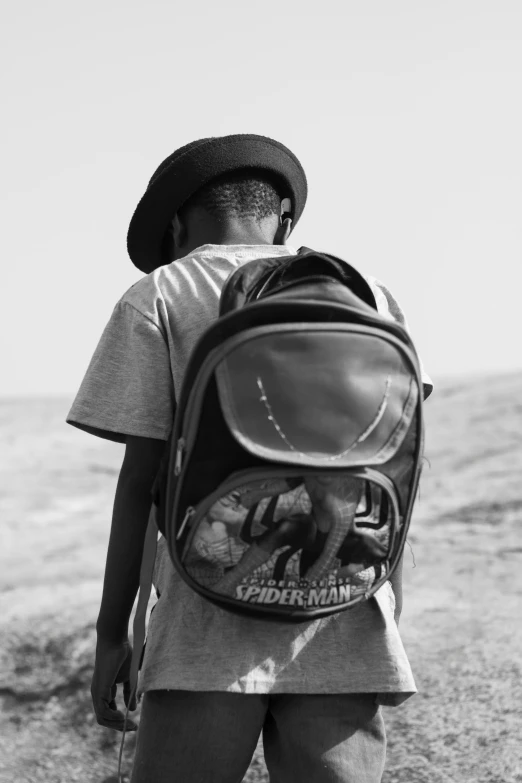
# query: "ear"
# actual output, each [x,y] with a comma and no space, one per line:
[283,232]
[168,250]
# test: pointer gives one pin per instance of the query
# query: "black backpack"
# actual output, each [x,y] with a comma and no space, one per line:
[297,445]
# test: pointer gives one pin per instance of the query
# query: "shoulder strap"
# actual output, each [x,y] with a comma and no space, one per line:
[138,628]
[266,276]
[146,574]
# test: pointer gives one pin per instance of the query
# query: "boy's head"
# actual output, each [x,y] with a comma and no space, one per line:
[244,207]
[241,189]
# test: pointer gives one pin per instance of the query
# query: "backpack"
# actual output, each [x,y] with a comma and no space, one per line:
[297,445]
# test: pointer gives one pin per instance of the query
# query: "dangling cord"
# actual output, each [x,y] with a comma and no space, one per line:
[120,757]
[428,463]
[413,556]
[138,640]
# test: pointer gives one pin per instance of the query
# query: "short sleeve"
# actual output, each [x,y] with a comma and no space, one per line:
[128,388]
[388,305]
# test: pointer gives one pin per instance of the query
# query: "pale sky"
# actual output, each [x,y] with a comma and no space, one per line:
[407,117]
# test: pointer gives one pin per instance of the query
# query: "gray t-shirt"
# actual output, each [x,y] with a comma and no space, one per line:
[129,389]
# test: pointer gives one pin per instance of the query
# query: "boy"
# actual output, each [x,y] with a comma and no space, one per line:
[213,681]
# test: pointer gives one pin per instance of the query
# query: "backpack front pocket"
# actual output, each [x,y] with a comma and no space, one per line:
[290,539]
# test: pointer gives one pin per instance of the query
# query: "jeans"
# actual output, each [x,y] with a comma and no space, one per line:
[210,737]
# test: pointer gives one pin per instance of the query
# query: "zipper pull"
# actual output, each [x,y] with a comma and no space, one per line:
[189,513]
[180,447]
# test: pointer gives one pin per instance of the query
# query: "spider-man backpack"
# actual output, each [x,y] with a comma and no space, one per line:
[296,451]
[297,444]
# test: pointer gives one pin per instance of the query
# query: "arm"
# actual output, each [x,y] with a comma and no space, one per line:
[129,523]
[127,395]
[122,572]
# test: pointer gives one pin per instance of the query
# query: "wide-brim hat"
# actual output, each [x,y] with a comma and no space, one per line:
[190,168]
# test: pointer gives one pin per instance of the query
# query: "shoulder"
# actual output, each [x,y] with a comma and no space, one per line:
[387,304]
[155,294]
[144,295]
[151,295]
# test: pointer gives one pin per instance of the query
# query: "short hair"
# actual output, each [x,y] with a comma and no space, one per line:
[244,193]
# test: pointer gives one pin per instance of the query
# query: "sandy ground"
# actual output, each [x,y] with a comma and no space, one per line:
[461,624]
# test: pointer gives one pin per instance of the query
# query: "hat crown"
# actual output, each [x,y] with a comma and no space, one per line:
[175,156]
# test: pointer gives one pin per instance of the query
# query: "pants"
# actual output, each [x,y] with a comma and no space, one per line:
[200,737]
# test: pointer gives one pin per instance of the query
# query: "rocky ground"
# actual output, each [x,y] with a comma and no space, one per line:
[461,623]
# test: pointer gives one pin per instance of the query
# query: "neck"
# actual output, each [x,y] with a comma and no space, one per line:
[231,235]
[231,232]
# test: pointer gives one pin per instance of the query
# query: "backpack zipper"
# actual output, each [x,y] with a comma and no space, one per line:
[189,513]
[180,448]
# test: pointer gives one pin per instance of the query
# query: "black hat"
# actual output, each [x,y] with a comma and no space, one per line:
[192,166]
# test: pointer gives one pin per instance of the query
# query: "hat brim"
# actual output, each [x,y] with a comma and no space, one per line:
[183,174]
